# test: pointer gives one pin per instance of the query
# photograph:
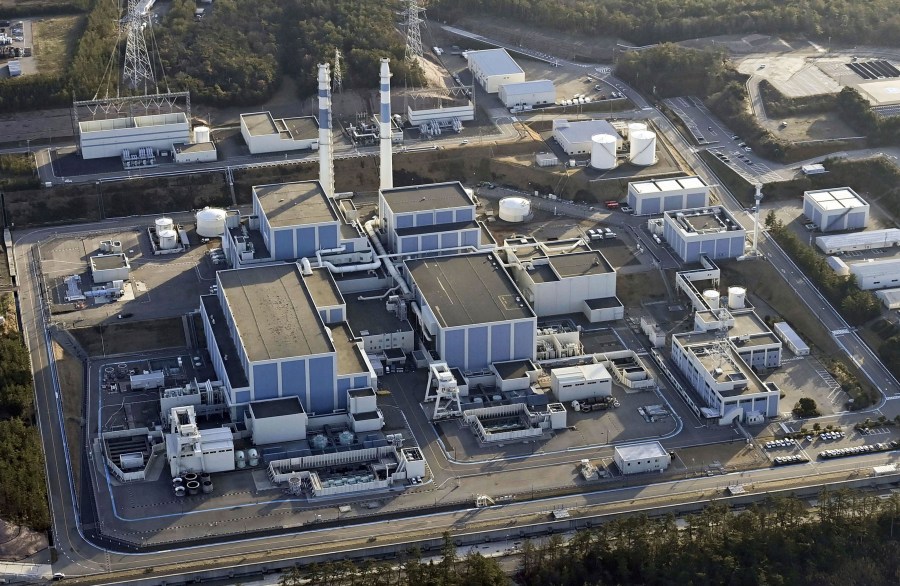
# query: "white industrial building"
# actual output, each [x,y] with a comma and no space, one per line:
[637,458]
[100,139]
[198,152]
[528,93]
[106,268]
[439,109]
[866,240]
[791,339]
[564,277]
[493,68]
[575,383]
[889,297]
[575,137]
[664,195]
[470,311]
[713,232]
[190,449]
[882,273]
[276,420]
[265,134]
[836,209]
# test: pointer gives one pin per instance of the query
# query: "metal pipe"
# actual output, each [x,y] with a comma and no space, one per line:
[375,297]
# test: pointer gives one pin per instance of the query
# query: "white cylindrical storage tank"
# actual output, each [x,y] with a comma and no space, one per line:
[253,457]
[240,459]
[643,148]
[201,134]
[635,127]
[515,209]
[603,151]
[736,297]
[168,239]
[164,223]
[211,222]
[711,296]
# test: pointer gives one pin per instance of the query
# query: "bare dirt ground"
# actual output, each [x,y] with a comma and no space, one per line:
[54,42]
[18,542]
[813,127]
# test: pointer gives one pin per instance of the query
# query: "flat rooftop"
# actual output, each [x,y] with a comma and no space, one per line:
[747,323]
[514,368]
[193,147]
[528,87]
[582,131]
[835,199]
[704,220]
[418,103]
[349,355]
[371,317]
[723,364]
[641,451]
[881,93]
[494,62]
[468,289]
[323,289]
[295,204]
[420,198]
[580,264]
[302,127]
[259,123]
[664,185]
[274,312]
[177,118]
[109,261]
[276,407]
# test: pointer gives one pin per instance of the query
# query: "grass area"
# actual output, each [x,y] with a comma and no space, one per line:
[633,288]
[131,337]
[71,384]
[54,42]
[730,179]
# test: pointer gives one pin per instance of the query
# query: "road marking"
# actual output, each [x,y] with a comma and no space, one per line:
[840,332]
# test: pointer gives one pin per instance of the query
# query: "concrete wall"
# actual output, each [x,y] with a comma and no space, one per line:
[474,347]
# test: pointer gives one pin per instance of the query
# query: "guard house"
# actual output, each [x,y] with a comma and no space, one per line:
[713,232]
[268,339]
[429,218]
[665,195]
[470,311]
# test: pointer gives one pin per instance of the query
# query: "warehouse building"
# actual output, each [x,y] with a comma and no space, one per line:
[493,68]
[728,386]
[637,458]
[836,209]
[265,134]
[575,383]
[713,232]
[791,338]
[99,139]
[429,218]
[665,195]
[575,137]
[470,311]
[889,297]
[867,240]
[881,273]
[273,332]
[565,277]
[106,268]
[528,93]
[438,109]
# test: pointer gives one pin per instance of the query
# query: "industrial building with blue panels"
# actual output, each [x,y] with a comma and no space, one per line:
[713,232]
[664,195]
[429,218]
[836,209]
[268,339]
[470,310]
[296,219]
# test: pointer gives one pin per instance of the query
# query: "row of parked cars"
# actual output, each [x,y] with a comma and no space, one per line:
[782,443]
[857,450]
[785,460]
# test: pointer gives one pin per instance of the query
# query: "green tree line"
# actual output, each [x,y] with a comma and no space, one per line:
[23,492]
[652,21]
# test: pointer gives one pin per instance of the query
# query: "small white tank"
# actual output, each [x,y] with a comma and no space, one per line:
[201,134]
[253,457]
[515,209]
[643,148]
[168,239]
[240,459]
[711,296]
[635,127]
[211,222]
[603,152]
[736,297]
[164,223]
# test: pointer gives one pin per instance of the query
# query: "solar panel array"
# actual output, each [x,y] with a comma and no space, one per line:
[879,69]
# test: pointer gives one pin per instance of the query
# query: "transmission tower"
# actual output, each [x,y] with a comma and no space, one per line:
[338,75]
[137,73]
[413,34]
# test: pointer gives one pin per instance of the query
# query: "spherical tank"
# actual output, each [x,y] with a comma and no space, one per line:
[635,127]
[164,223]
[643,148]
[711,296]
[211,222]
[168,239]
[201,134]
[603,151]
[514,209]
[736,297]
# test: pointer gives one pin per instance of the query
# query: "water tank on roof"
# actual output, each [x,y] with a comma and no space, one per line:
[211,222]
[736,297]
[643,148]
[711,296]
[603,151]
[514,209]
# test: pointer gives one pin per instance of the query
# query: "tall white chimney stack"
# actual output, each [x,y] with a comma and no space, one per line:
[326,158]
[384,132]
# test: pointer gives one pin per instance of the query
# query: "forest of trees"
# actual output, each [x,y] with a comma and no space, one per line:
[851,539]
[653,21]
[23,492]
